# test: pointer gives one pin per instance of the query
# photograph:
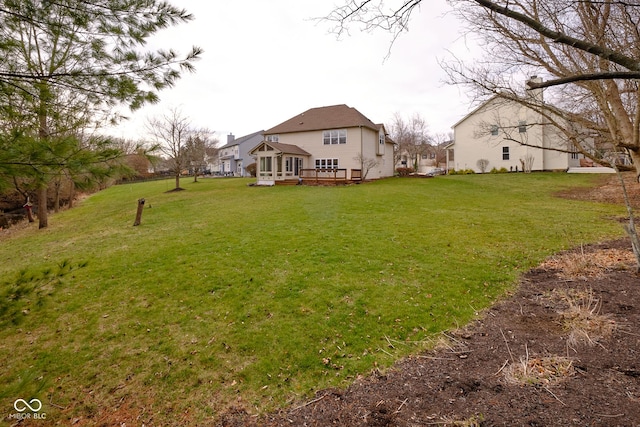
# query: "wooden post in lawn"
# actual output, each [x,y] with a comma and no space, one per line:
[139,213]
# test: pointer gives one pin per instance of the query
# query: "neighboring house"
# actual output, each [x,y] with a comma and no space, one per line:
[489,137]
[335,141]
[424,158]
[234,156]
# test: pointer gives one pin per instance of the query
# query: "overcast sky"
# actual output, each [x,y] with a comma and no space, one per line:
[267,61]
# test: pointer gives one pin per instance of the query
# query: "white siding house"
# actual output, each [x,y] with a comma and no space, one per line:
[332,141]
[504,133]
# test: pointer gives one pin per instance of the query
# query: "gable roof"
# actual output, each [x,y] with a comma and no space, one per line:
[322,118]
[284,148]
[500,99]
[242,139]
[475,110]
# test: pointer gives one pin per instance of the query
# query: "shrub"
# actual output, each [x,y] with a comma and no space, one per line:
[404,171]
[482,164]
[461,172]
[252,169]
[501,170]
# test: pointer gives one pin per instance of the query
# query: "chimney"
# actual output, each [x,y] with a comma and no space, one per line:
[534,93]
[230,138]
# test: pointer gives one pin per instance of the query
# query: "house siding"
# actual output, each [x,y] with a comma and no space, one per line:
[304,132]
[234,156]
[473,140]
[359,139]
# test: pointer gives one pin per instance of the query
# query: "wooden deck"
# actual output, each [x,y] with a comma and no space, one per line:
[324,177]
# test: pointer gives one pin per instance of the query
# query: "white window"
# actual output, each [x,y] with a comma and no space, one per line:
[326,163]
[381,138]
[273,138]
[336,136]
[494,130]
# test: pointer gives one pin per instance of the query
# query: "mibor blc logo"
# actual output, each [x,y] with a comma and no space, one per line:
[26,410]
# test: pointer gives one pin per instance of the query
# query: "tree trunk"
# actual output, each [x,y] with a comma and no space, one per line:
[72,193]
[28,206]
[56,197]
[635,157]
[43,132]
[630,228]
[177,181]
[43,214]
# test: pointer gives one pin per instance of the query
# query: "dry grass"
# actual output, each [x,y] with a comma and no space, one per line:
[581,316]
[539,371]
[581,265]
[580,310]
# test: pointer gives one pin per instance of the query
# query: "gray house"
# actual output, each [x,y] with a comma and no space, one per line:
[234,155]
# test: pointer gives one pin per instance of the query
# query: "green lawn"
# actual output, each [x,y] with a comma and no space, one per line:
[257,297]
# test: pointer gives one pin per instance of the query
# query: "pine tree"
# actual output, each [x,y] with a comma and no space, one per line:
[65,65]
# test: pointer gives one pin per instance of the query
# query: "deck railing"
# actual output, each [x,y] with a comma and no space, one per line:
[323,176]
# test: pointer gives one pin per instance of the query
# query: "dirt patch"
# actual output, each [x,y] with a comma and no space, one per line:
[563,350]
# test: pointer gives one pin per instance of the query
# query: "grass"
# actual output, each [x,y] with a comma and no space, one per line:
[228,295]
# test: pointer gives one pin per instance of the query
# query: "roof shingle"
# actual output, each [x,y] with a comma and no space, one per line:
[321,118]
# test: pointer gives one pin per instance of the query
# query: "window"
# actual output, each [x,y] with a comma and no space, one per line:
[381,138]
[522,126]
[494,130]
[326,163]
[505,153]
[338,136]
[273,138]
[574,155]
[265,164]
[288,164]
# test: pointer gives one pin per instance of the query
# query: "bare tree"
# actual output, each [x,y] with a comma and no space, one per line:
[366,164]
[483,164]
[171,133]
[412,138]
[199,148]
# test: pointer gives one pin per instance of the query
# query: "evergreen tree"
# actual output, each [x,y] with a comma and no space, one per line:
[65,65]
